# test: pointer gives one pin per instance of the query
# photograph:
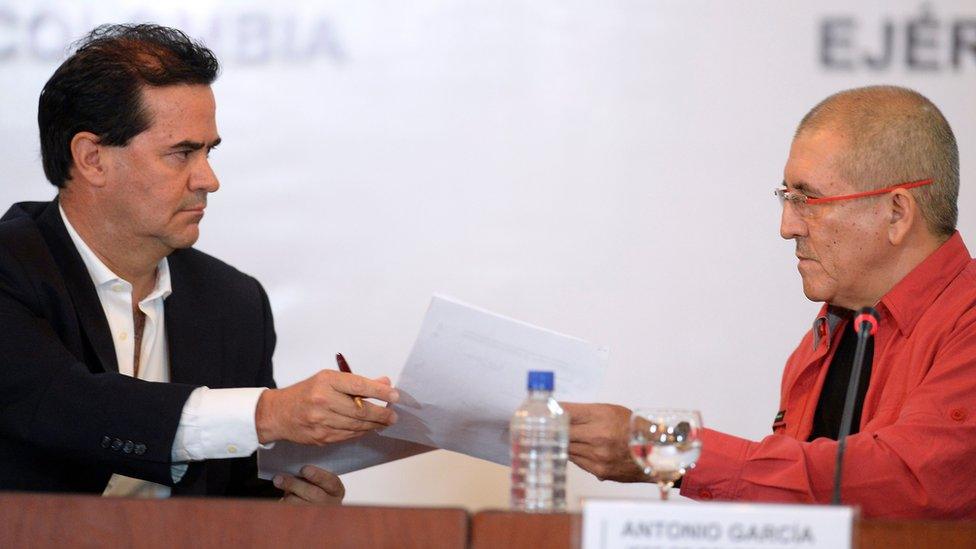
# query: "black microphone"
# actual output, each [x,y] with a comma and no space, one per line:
[865,324]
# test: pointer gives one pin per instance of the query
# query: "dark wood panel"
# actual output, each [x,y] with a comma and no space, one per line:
[42,521]
[86,521]
[916,534]
[503,529]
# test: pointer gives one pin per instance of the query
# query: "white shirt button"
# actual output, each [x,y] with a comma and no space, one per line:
[231,449]
[118,287]
[123,336]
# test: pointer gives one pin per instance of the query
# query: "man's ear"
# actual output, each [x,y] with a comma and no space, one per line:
[904,214]
[87,158]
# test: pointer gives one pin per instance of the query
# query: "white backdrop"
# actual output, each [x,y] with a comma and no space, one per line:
[601,168]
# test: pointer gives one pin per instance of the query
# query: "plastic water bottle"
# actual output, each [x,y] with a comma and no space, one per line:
[539,441]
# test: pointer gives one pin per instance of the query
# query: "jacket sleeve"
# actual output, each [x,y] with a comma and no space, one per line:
[921,465]
[50,400]
[244,480]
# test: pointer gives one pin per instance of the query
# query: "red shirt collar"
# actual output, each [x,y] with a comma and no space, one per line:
[912,295]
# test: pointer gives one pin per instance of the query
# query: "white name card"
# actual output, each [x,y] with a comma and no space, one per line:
[673,525]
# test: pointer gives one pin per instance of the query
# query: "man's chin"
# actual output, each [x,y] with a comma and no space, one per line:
[185,239]
[815,293]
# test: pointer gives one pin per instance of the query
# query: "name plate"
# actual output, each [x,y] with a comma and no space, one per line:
[672,525]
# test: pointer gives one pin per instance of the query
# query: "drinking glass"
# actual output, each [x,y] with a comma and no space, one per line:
[666,443]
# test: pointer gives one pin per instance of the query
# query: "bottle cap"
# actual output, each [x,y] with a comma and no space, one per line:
[541,381]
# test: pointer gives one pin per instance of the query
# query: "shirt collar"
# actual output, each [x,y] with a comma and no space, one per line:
[102,275]
[826,323]
[913,295]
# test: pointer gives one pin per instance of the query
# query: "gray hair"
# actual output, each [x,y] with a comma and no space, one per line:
[895,135]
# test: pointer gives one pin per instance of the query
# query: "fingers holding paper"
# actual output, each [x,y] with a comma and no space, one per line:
[598,441]
[322,409]
[315,485]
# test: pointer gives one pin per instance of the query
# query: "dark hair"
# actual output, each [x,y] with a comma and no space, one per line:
[99,88]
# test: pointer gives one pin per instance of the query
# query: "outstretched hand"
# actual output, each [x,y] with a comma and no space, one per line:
[598,441]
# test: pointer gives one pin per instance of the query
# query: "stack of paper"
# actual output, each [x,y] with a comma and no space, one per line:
[464,378]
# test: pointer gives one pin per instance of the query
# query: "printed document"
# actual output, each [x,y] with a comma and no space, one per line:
[464,378]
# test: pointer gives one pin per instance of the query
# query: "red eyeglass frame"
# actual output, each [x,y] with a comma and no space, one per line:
[908,185]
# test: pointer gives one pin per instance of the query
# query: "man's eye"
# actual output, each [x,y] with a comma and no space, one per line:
[182,155]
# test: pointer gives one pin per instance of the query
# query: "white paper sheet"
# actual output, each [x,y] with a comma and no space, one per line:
[467,374]
[464,378]
[344,457]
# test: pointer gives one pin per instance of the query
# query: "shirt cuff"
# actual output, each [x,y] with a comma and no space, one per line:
[177,470]
[716,475]
[215,424]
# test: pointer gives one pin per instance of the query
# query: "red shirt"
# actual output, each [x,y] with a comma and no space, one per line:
[915,454]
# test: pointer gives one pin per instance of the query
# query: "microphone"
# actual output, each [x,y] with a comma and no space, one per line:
[865,324]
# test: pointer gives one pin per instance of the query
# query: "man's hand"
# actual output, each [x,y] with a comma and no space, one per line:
[321,409]
[598,441]
[314,486]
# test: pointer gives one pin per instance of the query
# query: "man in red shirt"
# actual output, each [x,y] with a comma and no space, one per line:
[869,197]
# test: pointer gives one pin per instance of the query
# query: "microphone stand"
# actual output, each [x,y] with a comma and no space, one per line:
[866,324]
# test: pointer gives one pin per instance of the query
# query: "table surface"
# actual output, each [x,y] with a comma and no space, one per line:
[59,521]
[42,521]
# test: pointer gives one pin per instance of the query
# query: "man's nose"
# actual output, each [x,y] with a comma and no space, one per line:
[204,178]
[791,225]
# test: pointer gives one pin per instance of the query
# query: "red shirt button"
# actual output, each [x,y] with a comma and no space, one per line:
[958,414]
[705,495]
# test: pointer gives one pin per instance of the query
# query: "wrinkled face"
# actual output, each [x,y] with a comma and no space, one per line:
[838,244]
[157,185]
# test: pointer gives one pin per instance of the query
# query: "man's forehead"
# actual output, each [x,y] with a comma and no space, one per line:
[815,161]
[826,139]
[177,96]
[180,113]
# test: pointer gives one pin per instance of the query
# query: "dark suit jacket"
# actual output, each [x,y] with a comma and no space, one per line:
[68,419]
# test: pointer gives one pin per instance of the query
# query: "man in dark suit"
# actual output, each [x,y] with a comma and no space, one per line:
[132,363]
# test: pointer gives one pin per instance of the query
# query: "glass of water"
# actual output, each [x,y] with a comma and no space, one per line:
[666,443]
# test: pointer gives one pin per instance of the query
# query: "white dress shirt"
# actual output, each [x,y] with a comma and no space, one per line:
[215,423]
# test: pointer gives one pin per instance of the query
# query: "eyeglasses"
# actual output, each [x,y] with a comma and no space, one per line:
[801,202]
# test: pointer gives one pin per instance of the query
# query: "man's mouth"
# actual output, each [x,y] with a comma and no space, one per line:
[802,255]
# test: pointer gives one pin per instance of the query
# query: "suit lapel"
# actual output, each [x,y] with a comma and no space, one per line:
[79,285]
[193,335]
